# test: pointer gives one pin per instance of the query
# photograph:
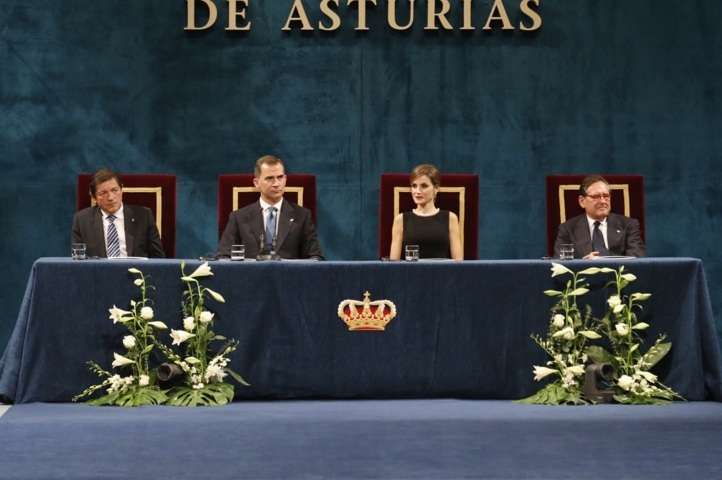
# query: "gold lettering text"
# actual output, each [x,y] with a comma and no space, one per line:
[332,15]
[498,12]
[432,15]
[533,15]
[297,14]
[393,21]
[191,16]
[361,12]
[234,13]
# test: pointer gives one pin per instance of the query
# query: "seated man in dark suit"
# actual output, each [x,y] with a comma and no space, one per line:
[598,232]
[272,223]
[113,229]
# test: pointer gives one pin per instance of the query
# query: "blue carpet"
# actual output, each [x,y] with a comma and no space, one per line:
[420,439]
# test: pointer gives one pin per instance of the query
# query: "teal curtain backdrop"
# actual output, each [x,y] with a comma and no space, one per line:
[605,86]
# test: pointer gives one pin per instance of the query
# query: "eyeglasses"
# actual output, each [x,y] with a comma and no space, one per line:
[105,193]
[599,196]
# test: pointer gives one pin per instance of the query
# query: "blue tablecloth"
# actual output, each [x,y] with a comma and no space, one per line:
[462,329]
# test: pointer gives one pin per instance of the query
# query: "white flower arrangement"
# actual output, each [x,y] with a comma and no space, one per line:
[568,344]
[204,371]
[138,388]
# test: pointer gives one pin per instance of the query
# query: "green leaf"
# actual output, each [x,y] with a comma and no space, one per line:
[210,395]
[552,293]
[590,271]
[599,355]
[134,396]
[147,349]
[590,334]
[578,291]
[656,353]
[237,377]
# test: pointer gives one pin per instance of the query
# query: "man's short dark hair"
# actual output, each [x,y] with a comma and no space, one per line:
[101,176]
[589,180]
[269,160]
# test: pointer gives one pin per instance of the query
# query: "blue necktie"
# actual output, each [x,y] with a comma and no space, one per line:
[113,241]
[598,240]
[270,228]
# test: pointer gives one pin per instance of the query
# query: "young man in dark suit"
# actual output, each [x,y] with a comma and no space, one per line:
[271,223]
[113,229]
[598,232]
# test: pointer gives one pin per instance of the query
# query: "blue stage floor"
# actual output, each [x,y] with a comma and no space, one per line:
[419,439]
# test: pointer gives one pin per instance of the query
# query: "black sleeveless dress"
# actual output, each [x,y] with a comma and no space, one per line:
[431,234]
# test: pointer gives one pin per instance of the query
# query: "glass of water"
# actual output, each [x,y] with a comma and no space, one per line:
[566,251]
[411,253]
[238,252]
[77,251]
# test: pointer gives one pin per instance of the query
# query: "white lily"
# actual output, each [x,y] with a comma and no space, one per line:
[180,336]
[590,334]
[559,269]
[120,360]
[618,308]
[129,341]
[158,325]
[192,360]
[630,277]
[640,326]
[625,382]
[189,323]
[614,300]
[118,314]
[146,313]
[558,320]
[579,291]
[541,372]
[134,270]
[649,376]
[576,370]
[216,296]
[640,296]
[622,329]
[138,282]
[203,270]
[566,333]
[206,316]
[143,380]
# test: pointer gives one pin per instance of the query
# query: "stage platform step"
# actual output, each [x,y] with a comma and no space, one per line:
[404,439]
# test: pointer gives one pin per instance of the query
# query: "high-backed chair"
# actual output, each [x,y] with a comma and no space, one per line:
[237,190]
[562,192]
[459,193]
[152,190]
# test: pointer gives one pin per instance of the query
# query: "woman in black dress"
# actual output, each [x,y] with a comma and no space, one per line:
[435,231]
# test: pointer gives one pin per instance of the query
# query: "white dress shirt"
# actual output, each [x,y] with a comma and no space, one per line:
[264,208]
[119,227]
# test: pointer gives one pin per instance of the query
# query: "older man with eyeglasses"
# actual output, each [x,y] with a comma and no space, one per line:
[598,232]
[113,229]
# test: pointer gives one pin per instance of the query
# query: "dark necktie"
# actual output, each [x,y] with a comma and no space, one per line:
[113,241]
[598,240]
[270,227]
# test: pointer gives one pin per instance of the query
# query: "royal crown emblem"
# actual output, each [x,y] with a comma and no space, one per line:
[366,315]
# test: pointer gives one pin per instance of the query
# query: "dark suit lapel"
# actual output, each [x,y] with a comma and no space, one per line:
[584,238]
[98,230]
[614,235]
[129,224]
[256,222]
[285,223]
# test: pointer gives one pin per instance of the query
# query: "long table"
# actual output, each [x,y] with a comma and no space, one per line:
[461,330]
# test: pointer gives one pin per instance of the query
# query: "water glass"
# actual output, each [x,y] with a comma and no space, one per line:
[566,251]
[411,253]
[77,251]
[238,252]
